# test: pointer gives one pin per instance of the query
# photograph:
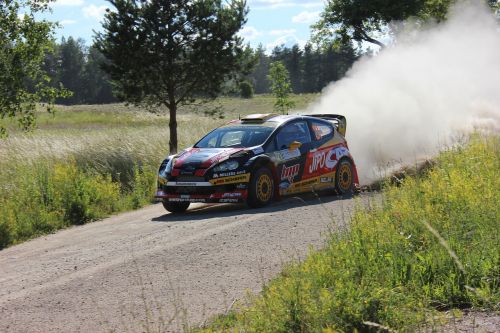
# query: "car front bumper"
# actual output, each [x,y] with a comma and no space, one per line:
[221,197]
[232,188]
[202,192]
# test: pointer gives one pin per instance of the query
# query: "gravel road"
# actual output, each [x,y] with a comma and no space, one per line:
[148,270]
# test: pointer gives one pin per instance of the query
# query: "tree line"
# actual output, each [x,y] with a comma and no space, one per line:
[78,68]
[310,68]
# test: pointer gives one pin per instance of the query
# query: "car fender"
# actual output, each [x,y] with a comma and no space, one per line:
[264,160]
[354,170]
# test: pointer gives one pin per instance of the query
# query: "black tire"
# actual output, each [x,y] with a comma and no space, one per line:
[261,188]
[344,178]
[175,207]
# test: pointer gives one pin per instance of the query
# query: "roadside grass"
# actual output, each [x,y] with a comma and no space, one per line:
[432,244]
[55,179]
[86,162]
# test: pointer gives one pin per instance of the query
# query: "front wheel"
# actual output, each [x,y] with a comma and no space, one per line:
[344,178]
[175,207]
[261,188]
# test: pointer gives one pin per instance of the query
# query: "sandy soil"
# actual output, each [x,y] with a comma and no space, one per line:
[148,270]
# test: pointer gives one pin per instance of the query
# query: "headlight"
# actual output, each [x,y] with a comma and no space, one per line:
[226,166]
[166,168]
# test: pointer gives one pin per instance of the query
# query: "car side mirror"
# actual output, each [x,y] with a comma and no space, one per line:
[294,145]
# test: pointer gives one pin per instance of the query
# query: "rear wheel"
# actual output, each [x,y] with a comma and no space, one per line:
[344,178]
[175,207]
[261,188]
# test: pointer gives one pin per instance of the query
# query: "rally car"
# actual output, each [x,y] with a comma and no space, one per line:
[258,159]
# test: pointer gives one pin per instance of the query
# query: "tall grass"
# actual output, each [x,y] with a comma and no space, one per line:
[433,244]
[54,178]
[88,161]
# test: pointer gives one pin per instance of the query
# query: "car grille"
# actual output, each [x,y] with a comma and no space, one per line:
[190,179]
[192,190]
[201,190]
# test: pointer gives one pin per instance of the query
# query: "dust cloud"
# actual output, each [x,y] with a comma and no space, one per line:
[408,101]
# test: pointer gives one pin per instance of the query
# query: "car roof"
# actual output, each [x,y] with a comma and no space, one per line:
[267,119]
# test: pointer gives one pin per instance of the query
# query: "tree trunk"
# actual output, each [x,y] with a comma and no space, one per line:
[172,124]
[365,37]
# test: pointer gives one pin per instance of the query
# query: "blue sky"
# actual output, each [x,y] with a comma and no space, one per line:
[270,22]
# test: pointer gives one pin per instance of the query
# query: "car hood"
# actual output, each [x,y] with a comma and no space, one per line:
[203,157]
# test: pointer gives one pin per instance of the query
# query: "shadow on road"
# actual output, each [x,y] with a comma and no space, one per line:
[228,210]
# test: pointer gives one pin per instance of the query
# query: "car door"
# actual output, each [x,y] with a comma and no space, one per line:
[291,143]
[320,160]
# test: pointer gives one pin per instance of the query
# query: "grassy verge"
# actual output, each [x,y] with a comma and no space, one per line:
[432,244]
[51,179]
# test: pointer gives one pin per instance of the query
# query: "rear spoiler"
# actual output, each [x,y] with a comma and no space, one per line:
[339,121]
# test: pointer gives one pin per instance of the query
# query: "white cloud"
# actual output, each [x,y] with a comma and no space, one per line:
[69,2]
[249,33]
[287,40]
[282,32]
[67,22]
[93,11]
[270,4]
[306,17]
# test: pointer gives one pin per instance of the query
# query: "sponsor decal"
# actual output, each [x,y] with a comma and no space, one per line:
[306,185]
[287,154]
[318,161]
[228,200]
[289,173]
[228,174]
[326,180]
[232,195]
[241,186]
[228,180]
[334,156]
[185,200]
[324,160]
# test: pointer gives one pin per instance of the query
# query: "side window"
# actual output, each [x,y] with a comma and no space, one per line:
[297,131]
[320,130]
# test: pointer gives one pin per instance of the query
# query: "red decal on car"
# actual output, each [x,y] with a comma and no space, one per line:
[220,157]
[323,160]
[289,173]
[184,156]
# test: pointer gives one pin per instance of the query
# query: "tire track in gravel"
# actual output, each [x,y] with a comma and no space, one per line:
[143,269]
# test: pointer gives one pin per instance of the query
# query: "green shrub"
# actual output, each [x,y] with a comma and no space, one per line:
[246,89]
[45,196]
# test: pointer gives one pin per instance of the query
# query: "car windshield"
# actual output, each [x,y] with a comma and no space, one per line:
[235,136]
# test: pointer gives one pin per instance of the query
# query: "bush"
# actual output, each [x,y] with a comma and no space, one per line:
[49,196]
[246,89]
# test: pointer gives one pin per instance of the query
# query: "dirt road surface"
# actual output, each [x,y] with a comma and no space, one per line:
[148,270]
